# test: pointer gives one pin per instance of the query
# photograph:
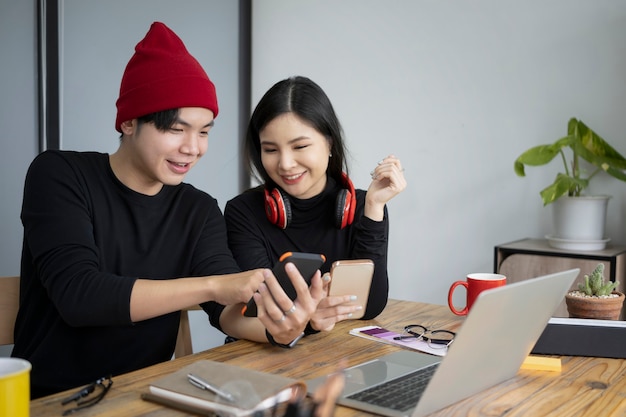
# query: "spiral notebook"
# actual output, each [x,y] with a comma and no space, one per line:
[252,390]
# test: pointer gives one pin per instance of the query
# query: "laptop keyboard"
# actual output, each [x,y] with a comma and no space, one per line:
[398,394]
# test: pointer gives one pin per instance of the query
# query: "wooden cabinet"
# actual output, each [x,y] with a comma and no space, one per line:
[529,258]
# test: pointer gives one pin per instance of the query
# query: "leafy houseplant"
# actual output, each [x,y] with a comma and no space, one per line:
[583,143]
[595,297]
[578,220]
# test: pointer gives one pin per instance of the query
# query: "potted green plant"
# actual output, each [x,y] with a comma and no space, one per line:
[581,143]
[595,298]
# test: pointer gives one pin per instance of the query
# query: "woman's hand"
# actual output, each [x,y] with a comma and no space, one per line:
[285,319]
[387,182]
[333,309]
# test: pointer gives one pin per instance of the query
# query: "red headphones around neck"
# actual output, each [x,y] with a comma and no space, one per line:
[278,208]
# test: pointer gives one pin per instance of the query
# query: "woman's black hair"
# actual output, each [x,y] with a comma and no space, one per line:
[304,98]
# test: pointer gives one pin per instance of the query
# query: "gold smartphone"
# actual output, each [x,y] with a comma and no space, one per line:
[352,277]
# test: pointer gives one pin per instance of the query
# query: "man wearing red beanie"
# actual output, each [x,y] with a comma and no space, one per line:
[116,245]
[162,75]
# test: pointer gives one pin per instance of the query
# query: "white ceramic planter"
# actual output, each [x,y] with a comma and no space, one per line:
[580,218]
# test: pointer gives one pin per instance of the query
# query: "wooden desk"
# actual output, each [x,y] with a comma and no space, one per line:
[585,387]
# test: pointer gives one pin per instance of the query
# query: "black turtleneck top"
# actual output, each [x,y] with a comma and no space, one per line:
[257,243]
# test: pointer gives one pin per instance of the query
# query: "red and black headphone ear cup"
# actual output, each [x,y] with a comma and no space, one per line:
[286,211]
[346,203]
[277,208]
[342,209]
[271,207]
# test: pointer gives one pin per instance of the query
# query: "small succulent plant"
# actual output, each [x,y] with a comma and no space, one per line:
[594,284]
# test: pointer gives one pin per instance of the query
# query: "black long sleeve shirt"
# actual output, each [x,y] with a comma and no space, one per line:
[87,238]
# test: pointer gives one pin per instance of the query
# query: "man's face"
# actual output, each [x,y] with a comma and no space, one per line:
[165,157]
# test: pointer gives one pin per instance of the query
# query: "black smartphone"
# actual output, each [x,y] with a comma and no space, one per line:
[306,263]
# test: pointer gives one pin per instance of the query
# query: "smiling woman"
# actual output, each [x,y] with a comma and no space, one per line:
[307,203]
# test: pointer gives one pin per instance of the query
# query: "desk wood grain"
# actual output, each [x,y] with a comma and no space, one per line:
[586,387]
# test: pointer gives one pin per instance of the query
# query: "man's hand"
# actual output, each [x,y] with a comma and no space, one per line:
[235,288]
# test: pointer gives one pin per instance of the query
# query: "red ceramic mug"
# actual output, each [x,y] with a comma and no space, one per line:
[474,285]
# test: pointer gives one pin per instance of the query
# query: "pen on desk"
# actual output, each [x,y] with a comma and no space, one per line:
[202,384]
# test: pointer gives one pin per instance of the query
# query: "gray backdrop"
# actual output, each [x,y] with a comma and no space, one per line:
[456,89]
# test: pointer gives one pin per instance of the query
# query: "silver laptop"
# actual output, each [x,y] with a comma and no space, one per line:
[497,336]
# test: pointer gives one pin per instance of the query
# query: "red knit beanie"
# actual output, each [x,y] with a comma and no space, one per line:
[162,75]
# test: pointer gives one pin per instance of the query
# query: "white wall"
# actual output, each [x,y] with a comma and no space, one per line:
[458,90]
[18,124]
[18,121]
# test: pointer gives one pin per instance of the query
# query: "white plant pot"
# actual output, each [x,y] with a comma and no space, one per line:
[580,218]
